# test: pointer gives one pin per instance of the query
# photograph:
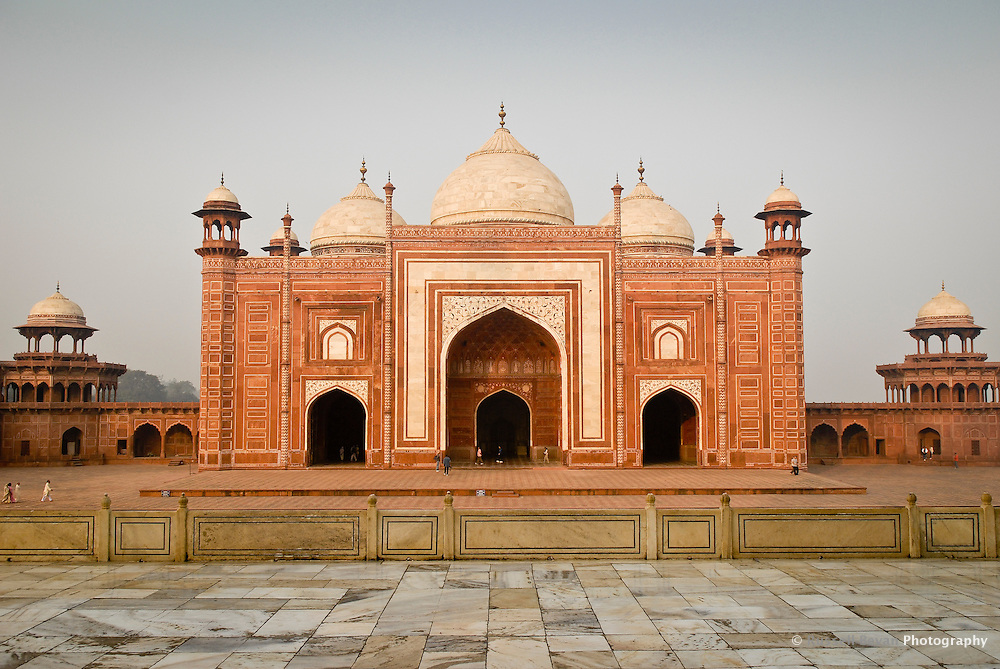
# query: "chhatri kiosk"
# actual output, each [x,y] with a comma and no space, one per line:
[502,324]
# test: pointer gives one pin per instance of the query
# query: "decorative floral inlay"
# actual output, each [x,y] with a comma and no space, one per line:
[459,309]
[679,323]
[649,387]
[358,387]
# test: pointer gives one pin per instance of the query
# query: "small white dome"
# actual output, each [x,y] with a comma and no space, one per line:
[727,238]
[221,194]
[278,238]
[358,219]
[943,307]
[502,182]
[56,310]
[782,198]
[648,220]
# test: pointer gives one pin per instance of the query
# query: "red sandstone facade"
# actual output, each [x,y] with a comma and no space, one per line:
[504,328]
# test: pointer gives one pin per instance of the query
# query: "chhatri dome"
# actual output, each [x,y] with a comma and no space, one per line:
[502,182]
[944,309]
[782,198]
[648,221]
[358,220]
[222,195]
[56,310]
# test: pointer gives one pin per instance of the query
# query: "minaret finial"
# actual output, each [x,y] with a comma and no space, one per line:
[616,177]
[57,286]
[942,284]
[287,209]
[502,114]
[388,177]
[718,208]
[782,177]
[222,179]
[363,169]
[641,168]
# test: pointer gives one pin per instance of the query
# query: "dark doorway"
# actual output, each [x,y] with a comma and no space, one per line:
[823,442]
[72,442]
[931,440]
[337,429]
[503,428]
[146,442]
[669,430]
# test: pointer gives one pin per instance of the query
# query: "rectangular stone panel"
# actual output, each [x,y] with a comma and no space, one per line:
[952,532]
[409,535]
[512,535]
[142,536]
[51,534]
[257,535]
[687,534]
[859,532]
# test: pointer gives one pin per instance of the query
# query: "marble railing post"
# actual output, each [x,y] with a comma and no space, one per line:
[179,539]
[913,514]
[726,528]
[372,529]
[103,531]
[989,525]
[652,530]
[449,526]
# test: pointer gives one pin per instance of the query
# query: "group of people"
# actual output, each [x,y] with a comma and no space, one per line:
[355,453]
[12,492]
[446,462]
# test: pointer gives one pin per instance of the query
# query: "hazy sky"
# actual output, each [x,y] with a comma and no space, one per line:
[117,118]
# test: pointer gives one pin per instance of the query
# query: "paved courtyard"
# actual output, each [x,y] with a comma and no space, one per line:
[886,485]
[517,615]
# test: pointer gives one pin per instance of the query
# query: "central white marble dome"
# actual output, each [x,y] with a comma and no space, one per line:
[500,183]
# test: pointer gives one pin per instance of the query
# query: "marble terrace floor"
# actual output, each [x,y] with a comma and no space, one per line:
[517,615]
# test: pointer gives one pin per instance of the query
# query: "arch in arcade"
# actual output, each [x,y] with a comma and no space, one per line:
[823,442]
[337,429]
[146,441]
[506,351]
[669,429]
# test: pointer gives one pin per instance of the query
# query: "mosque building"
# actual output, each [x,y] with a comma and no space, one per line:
[501,325]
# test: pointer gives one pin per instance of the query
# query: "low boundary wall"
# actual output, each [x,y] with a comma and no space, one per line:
[908,531]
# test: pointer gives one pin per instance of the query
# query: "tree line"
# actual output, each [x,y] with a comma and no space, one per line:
[136,385]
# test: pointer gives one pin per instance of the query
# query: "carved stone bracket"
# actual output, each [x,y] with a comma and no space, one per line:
[357,387]
[649,387]
[459,309]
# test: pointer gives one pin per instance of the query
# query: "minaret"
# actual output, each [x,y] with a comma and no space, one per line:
[220,248]
[786,433]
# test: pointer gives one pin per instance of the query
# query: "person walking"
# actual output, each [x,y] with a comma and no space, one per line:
[955,459]
[479,455]
[447,465]
[437,462]
[6,495]
[545,455]
[795,466]
[47,492]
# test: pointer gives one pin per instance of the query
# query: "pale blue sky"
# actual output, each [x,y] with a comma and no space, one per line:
[117,118]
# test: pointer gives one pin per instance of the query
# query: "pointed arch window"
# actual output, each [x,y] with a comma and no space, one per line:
[668,343]
[338,343]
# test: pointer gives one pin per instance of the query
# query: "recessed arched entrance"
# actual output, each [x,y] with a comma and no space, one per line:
[670,429]
[930,439]
[72,442]
[503,427]
[337,422]
[146,441]
[823,442]
[503,369]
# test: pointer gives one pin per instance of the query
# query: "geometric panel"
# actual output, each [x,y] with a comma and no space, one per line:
[826,532]
[409,535]
[952,532]
[550,534]
[688,534]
